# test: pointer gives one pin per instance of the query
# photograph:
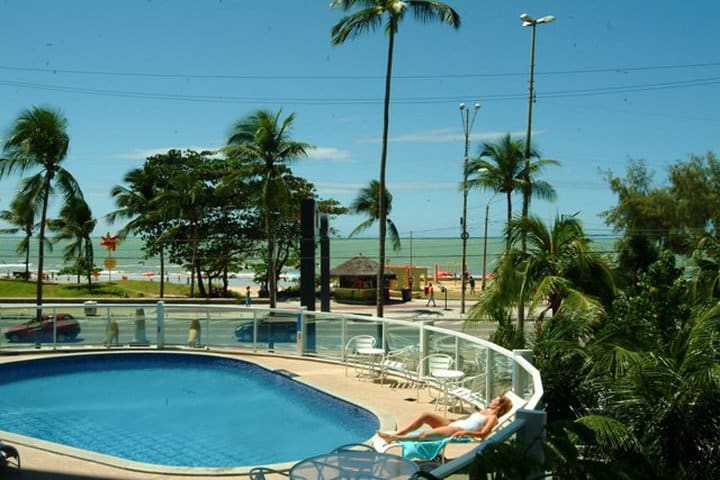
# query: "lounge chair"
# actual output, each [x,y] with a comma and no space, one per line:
[433,450]
[6,453]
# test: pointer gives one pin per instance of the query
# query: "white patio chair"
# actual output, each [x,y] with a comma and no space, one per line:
[400,362]
[428,364]
[352,346]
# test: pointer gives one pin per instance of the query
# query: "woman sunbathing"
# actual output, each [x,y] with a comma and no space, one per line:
[478,425]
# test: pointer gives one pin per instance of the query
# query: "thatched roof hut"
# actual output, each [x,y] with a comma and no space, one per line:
[357,280]
[360,267]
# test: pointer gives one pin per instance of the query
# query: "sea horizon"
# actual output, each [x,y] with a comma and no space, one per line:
[443,252]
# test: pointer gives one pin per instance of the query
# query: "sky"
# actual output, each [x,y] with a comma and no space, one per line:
[614,80]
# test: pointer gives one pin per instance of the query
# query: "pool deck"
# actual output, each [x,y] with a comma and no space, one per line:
[395,401]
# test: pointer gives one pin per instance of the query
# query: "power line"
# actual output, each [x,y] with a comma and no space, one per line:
[364,101]
[225,76]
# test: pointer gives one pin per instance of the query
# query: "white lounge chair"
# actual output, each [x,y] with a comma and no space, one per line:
[434,450]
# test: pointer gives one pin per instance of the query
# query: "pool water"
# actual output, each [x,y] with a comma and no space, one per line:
[175,409]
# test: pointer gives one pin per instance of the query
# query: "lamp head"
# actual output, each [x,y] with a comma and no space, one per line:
[526,18]
[477,106]
[546,19]
[462,107]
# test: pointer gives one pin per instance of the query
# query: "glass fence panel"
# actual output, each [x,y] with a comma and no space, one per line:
[483,370]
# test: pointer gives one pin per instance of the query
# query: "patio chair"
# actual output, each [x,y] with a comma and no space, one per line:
[353,345]
[401,362]
[259,473]
[354,447]
[435,361]
[6,453]
[470,390]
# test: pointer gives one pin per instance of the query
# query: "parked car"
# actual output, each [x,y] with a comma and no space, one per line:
[68,328]
[270,330]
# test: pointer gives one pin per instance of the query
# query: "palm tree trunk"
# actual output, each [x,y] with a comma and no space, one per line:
[380,291]
[27,259]
[162,271]
[509,218]
[41,248]
[271,274]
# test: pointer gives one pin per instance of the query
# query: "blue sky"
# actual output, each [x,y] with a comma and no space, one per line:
[614,80]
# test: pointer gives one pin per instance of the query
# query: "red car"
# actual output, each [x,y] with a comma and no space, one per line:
[68,328]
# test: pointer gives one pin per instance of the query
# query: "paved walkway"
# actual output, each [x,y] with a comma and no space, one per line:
[394,403]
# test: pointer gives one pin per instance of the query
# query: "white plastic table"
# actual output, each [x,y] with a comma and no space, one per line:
[373,356]
[353,465]
[446,377]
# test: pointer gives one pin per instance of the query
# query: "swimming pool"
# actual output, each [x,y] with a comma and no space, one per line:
[174,409]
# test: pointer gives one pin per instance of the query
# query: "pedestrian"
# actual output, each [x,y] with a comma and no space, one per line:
[248,298]
[471,281]
[430,295]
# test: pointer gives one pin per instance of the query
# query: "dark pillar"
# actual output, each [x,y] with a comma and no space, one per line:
[307,253]
[324,264]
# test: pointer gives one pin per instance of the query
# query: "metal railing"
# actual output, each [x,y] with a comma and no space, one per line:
[488,369]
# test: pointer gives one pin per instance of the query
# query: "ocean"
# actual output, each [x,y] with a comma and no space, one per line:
[446,253]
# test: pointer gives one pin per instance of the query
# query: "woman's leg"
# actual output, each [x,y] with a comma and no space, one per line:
[431,419]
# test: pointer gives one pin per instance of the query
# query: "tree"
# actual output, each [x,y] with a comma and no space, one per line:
[652,366]
[558,266]
[134,203]
[38,139]
[22,216]
[264,141]
[501,172]
[366,203]
[502,168]
[370,16]
[76,224]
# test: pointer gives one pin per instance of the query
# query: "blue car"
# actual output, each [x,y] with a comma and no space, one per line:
[270,330]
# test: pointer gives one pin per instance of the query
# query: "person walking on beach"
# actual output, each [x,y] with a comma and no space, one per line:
[471,281]
[430,295]
[248,298]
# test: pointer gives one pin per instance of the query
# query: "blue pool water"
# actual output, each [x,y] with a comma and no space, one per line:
[175,409]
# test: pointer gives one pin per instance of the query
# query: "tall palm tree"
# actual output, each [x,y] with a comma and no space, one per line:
[366,203]
[135,203]
[38,139]
[76,225]
[263,139]
[187,200]
[372,15]
[501,167]
[22,218]
[498,167]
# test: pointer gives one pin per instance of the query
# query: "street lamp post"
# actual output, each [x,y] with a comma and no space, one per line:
[467,124]
[528,21]
[485,239]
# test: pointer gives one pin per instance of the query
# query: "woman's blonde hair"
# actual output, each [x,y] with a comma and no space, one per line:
[505,404]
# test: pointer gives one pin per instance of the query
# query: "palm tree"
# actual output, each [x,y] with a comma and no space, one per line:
[187,200]
[135,203]
[22,216]
[498,167]
[366,203]
[372,14]
[558,267]
[501,167]
[264,141]
[39,139]
[76,225]
[560,264]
